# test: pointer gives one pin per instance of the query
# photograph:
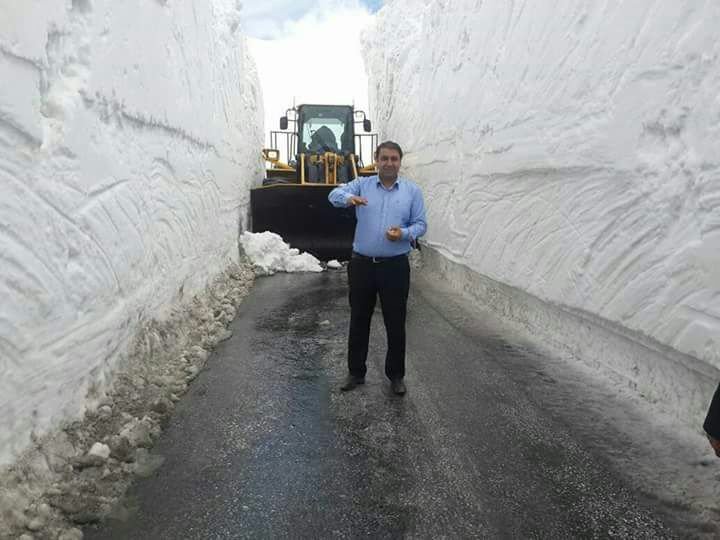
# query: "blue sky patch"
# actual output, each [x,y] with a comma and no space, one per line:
[374,5]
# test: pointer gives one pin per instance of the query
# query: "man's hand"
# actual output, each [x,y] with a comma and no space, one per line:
[393,234]
[357,201]
[715,444]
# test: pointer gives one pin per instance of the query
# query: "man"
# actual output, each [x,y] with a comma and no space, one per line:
[390,218]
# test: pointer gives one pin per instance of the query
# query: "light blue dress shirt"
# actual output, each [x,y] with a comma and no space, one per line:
[399,206]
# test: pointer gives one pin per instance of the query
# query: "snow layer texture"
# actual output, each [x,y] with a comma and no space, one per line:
[566,150]
[128,136]
[270,254]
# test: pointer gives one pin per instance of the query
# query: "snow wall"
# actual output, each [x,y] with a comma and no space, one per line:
[129,136]
[568,155]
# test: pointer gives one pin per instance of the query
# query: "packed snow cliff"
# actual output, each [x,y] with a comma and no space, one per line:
[568,150]
[129,136]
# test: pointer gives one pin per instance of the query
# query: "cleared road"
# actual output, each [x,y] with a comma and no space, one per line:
[264,445]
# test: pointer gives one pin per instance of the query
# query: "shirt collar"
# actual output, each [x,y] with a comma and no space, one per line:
[396,185]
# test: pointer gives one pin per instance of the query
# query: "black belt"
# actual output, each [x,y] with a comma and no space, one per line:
[356,255]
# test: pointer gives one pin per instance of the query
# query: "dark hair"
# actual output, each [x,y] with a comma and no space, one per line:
[389,145]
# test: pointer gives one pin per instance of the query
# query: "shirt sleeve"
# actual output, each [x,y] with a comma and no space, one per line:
[339,196]
[417,224]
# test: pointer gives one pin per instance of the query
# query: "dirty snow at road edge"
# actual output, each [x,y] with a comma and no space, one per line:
[269,254]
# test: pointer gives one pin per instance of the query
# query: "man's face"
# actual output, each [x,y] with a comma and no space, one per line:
[388,162]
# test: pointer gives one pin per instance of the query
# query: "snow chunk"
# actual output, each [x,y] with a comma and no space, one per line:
[270,254]
[100,450]
[334,264]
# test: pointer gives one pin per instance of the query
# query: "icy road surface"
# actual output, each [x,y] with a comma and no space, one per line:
[488,442]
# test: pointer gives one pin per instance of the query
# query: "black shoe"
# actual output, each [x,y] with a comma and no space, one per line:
[398,387]
[351,382]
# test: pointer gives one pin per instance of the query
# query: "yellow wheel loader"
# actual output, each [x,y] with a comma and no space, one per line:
[321,150]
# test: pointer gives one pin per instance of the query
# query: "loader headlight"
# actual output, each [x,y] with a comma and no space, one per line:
[270,154]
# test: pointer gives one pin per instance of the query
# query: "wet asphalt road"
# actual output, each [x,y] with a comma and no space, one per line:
[264,445]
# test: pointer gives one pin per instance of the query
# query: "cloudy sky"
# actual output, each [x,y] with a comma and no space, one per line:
[308,51]
[271,19]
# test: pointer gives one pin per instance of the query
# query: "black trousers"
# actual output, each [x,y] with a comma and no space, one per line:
[390,280]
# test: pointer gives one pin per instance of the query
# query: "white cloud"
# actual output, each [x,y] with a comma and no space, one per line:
[266,20]
[274,19]
[317,60]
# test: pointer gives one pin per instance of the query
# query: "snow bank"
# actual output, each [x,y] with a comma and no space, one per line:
[269,254]
[128,140]
[569,151]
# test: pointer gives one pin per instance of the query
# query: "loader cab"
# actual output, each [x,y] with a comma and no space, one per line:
[322,145]
[325,128]
[317,129]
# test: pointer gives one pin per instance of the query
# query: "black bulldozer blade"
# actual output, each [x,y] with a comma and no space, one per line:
[305,219]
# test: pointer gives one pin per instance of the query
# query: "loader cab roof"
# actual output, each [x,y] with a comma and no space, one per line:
[326,128]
